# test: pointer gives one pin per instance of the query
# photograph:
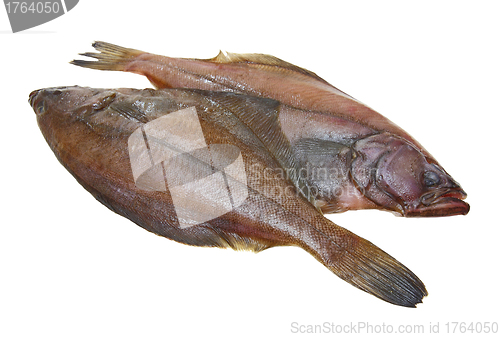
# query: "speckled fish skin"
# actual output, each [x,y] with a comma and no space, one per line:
[392,172]
[89,130]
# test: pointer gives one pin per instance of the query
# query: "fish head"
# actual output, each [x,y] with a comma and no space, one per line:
[397,176]
[65,112]
[69,102]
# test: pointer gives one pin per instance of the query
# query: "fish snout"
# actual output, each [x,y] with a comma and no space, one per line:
[38,102]
[33,95]
[34,99]
[441,202]
[38,99]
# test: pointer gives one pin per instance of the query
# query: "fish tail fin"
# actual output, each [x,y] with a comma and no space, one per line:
[111,57]
[367,267]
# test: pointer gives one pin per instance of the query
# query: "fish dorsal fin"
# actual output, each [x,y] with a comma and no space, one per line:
[262,59]
[261,116]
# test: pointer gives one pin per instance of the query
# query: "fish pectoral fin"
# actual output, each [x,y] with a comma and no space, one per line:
[263,60]
[129,111]
[365,266]
[261,116]
[111,57]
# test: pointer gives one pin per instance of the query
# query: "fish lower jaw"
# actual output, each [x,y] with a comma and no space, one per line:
[446,205]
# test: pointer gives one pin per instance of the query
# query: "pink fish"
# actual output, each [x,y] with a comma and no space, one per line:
[350,156]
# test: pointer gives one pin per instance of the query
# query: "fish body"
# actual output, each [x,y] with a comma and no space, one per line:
[351,156]
[203,168]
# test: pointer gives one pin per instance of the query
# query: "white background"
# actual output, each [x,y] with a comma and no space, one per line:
[71,267]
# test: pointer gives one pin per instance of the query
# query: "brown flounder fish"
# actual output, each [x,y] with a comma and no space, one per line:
[351,156]
[201,168]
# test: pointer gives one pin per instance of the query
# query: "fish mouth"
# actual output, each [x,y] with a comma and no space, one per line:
[440,202]
[37,102]
[32,100]
[38,98]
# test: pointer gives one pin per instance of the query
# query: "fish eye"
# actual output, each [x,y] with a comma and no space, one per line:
[431,179]
[41,107]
